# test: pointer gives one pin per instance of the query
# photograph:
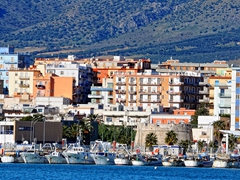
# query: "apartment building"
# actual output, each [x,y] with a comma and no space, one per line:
[82,73]
[235,99]
[220,95]
[206,69]
[9,60]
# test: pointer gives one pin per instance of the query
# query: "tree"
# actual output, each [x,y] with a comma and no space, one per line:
[232,140]
[218,125]
[185,144]
[151,139]
[171,138]
[201,111]
[200,144]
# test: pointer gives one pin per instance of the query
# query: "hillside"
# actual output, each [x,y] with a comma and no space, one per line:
[189,30]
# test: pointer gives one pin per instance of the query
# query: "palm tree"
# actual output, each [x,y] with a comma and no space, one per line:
[151,139]
[200,145]
[232,140]
[185,144]
[94,118]
[171,138]
[218,125]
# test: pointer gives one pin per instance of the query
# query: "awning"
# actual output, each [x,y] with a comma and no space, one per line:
[237,133]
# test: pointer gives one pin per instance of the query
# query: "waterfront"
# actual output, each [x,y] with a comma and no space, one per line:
[89,172]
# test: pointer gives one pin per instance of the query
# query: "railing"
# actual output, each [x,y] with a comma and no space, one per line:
[224,95]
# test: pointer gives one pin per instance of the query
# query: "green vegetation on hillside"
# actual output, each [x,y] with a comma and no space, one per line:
[202,30]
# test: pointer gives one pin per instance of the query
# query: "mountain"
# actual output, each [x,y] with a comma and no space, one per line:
[188,30]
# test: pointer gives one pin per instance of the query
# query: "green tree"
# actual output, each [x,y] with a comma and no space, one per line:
[171,138]
[185,144]
[200,145]
[218,125]
[201,111]
[232,140]
[151,139]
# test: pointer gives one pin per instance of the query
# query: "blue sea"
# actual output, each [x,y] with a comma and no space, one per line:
[90,172]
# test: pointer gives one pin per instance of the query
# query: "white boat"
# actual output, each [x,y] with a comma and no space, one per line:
[172,161]
[102,153]
[193,162]
[123,155]
[222,159]
[56,157]
[220,163]
[35,155]
[77,154]
[138,163]
[7,159]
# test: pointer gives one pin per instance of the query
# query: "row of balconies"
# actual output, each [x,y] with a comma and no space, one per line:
[176,83]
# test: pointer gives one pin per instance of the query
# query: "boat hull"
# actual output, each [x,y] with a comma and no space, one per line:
[138,163]
[103,160]
[220,164]
[121,161]
[56,159]
[7,159]
[78,158]
[33,158]
[193,163]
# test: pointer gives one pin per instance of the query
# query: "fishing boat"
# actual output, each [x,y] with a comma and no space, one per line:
[172,161]
[222,159]
[122,155]
[56,157]
[77,154]
[103,153]
[36,155]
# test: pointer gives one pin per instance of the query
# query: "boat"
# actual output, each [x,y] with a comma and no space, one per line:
[7,159]
[102,153]
[234,161]
[172,161]
[35,155]
[172,155]
[77,154]
[221,159]
[123,155]
[56,157]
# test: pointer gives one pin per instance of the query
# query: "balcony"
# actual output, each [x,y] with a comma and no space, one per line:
[120,92]
[175,83]
[132,101]
[203,83]
[150,100]
[24,85]
[132,92]
[174,92]
[95,96]
[24,77]
[224,95]
[132,83]
[150,84]
[204,100]
[175,101]
[121,83]
[203,92]
[224,105]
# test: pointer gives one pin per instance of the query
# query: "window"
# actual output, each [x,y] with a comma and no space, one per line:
[61,72]
[109,119]
[6,73]
[16,74]
[16,82]
[6,81]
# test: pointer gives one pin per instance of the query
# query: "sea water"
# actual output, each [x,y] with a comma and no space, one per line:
[97,172]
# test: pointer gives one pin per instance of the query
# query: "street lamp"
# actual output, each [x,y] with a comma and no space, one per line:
[44,120]
[32,122]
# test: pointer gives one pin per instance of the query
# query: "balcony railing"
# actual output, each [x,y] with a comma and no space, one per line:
[24,85]
[175,83]
[224,95]
[223,105]
[175,101]
[24,77]
[203,92]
